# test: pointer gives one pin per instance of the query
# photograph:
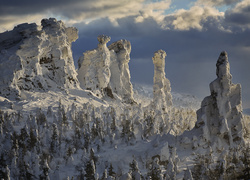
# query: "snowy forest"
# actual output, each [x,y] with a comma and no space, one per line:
[59,122]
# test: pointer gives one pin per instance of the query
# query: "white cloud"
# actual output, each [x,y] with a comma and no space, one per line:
[194,17]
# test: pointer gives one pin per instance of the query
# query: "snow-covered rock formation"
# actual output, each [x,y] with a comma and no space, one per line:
[94,72]
[220,116]
[120,74]
[105,70]
[37,58]
[162,97]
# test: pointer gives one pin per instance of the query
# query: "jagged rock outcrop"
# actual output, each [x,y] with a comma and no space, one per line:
[105,70]
[120,74]
[94,68]
[162,97]
[220,116]
[37,58]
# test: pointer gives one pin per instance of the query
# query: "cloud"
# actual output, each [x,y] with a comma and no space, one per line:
[239,15]
[216,2]
[8,22]
[153,9]
[194,18]
[76,11]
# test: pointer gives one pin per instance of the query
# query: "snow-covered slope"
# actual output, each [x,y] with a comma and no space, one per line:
[144,94]
[53,127]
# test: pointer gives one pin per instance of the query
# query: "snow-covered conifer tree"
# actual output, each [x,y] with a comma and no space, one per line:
[136,175]
[90,170]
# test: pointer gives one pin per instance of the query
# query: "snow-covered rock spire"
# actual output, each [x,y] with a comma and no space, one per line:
[94,72]
[162,97]
[221,112]
[105,70]
[37,58]
[120,74]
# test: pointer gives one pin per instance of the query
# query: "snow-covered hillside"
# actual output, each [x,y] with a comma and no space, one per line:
[60,123]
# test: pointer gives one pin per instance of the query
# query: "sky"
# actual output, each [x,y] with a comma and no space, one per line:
[193,33]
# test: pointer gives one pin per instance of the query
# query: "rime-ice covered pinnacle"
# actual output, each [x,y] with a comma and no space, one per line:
[37,58]
[221,112]
[120,74]
[105,70]
[94,73]
[161,89]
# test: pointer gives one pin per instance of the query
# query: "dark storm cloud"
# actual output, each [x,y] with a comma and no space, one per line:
[217,2]
[16,12]
[30,6]
[69,9]
[239,15]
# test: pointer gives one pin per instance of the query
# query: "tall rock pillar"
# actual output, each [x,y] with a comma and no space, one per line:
[220,115]
[94,72]
[162,97]
[120,74]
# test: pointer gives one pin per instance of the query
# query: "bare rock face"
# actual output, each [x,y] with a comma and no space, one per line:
[94,73]
[37,58]
[221,112]
[162,97]
[120,74]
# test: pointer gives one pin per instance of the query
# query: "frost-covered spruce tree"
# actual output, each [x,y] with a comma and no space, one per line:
[188,175]
[104,175]
[90,170]
[111,172]
[134,169]
[5,173]
[77,138]
[54,144]
[33,139]
[14,166]
[155,170]
[41,118]
[127,130]
[245,159]
[162,98]
[149,124]
[45,171]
